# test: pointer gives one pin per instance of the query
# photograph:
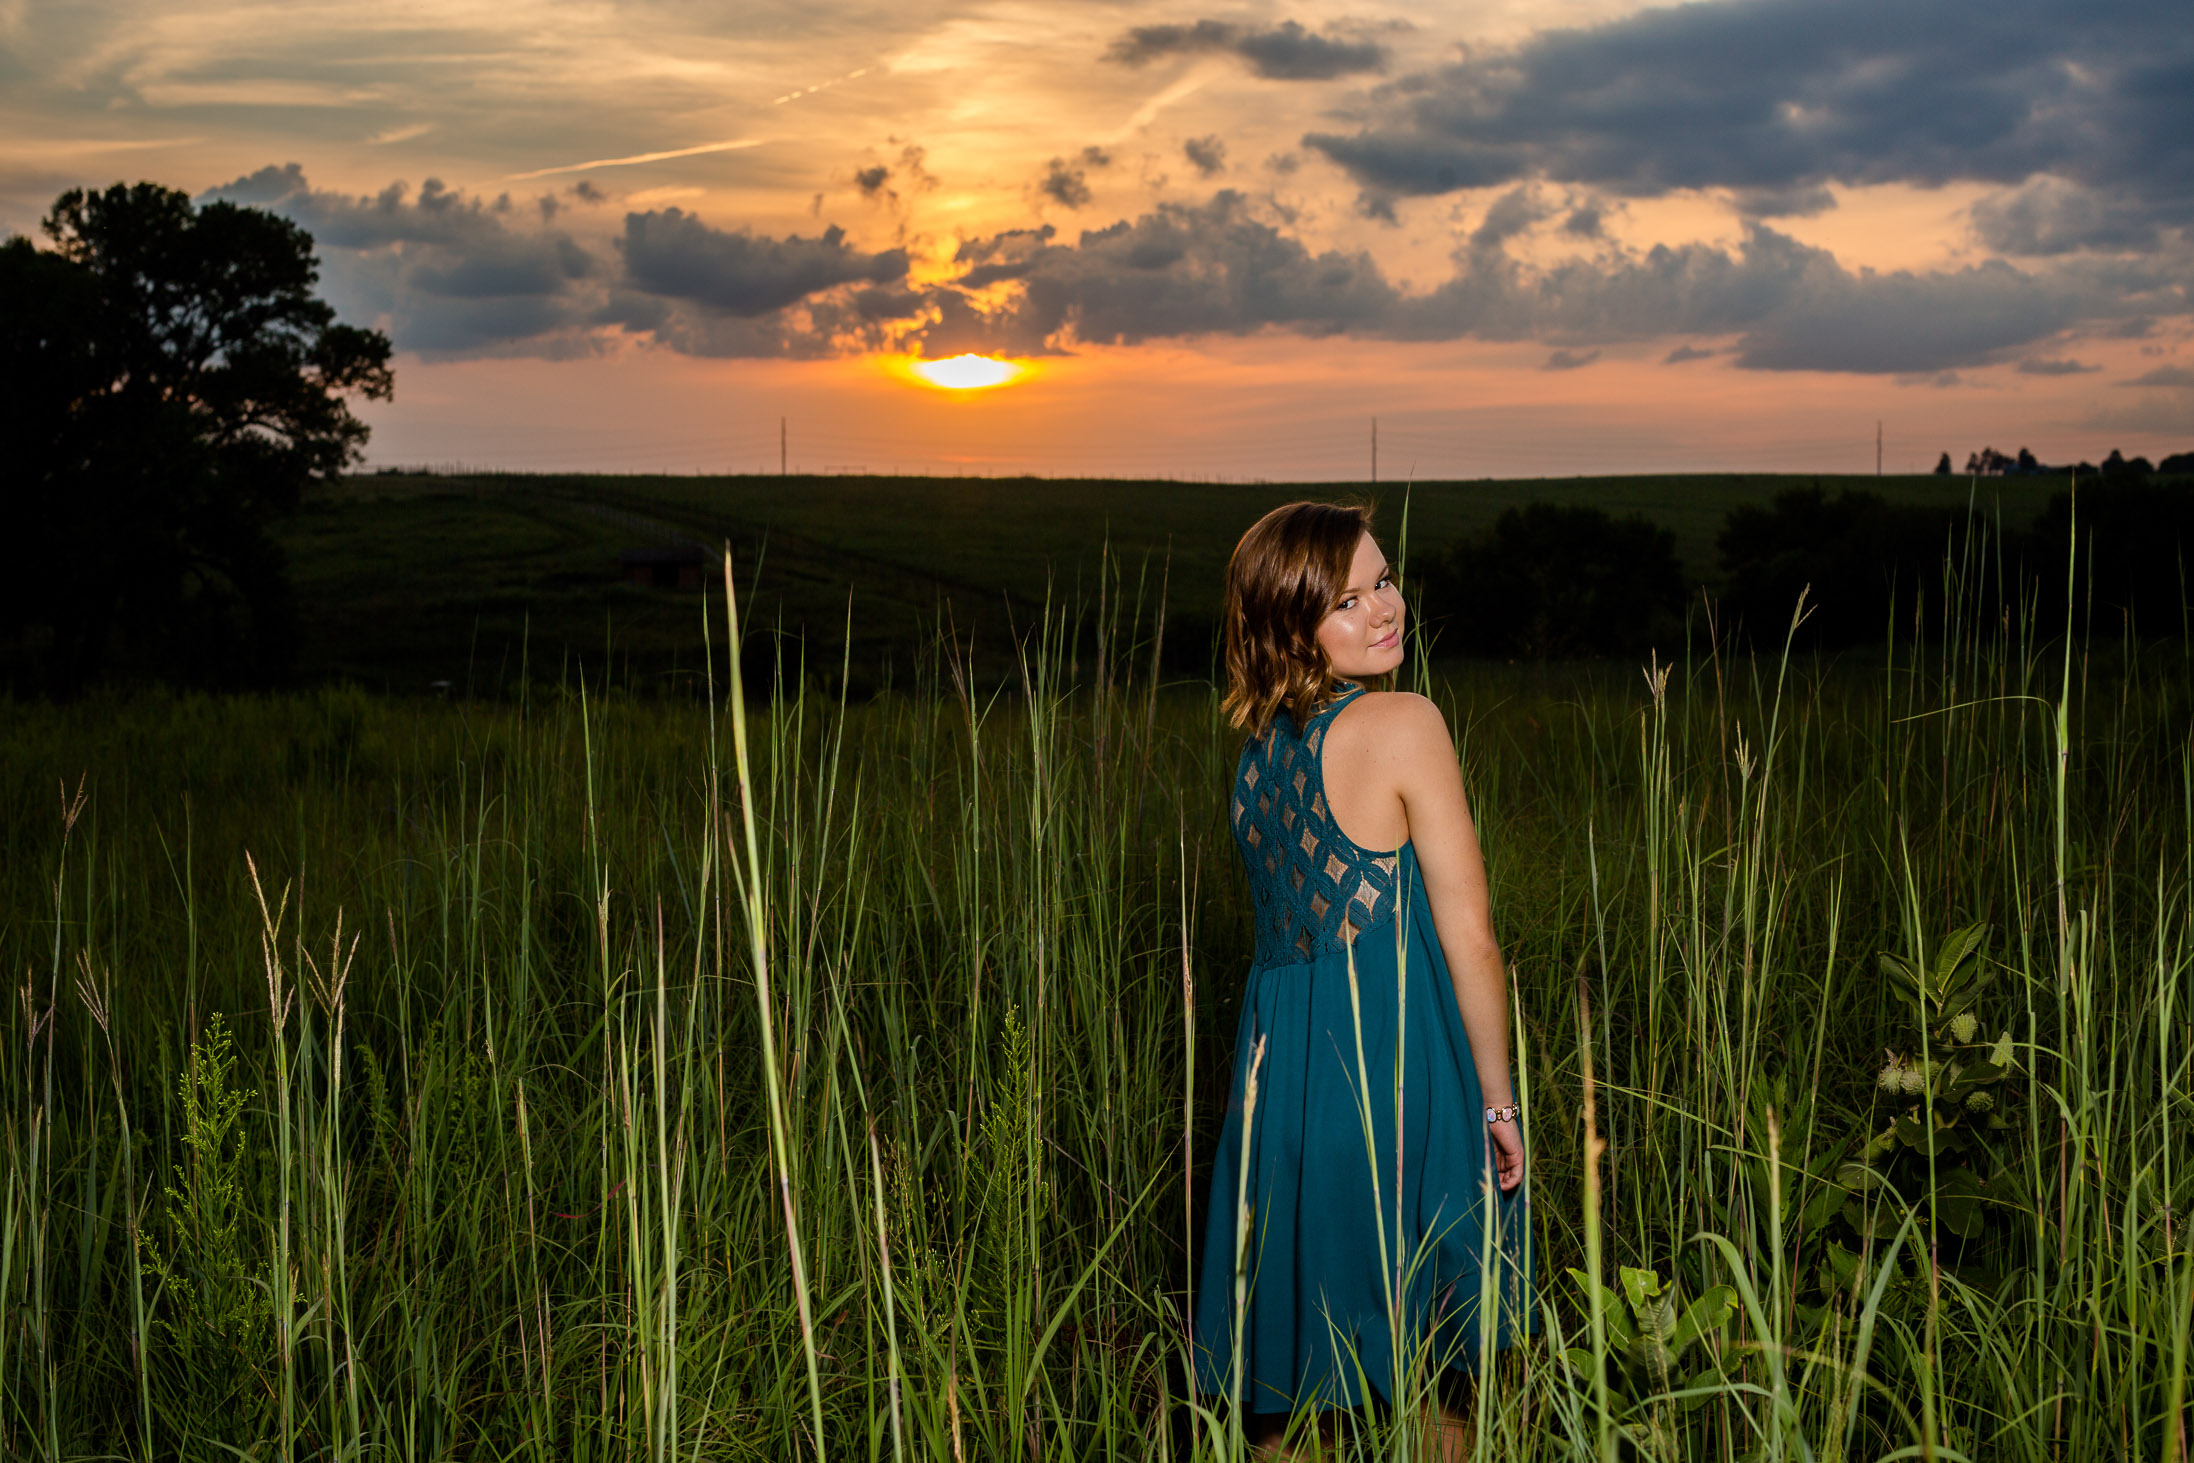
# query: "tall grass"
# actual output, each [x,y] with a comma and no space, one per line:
[781,1078]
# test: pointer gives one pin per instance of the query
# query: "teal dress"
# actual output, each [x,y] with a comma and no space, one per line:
[1375,1222]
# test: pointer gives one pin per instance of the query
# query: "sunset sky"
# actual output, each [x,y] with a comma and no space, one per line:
[1529,238]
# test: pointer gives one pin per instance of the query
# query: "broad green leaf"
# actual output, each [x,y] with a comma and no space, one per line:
[1709,1313]
[1638,1285]
[1958,1182]
[1980,1074]
[1651,1359]
[1858,1177]
[1820,1207]
[1610,1306]
[1974,979]
[1660,1321]
[1958,947]
[1960,1214]
[1878,1221]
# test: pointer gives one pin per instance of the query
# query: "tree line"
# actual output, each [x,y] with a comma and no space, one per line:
[1550,582]
[1988,462]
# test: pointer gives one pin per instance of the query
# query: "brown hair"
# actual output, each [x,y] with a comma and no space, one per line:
[1286,573]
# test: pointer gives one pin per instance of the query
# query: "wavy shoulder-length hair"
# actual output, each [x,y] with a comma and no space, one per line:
[1286,574]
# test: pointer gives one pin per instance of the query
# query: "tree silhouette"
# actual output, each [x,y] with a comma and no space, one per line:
[1550,581]
[1860,556]
[2119,467]
[168,383]
[2134,561]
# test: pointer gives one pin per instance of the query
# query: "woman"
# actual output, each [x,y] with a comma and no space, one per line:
[1381,1185]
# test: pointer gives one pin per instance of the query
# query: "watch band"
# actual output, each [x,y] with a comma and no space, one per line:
[1507,1114]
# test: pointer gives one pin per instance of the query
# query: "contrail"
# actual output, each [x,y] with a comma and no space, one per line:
[793,96]
[92,145]
[1194,81]
[656,157]
[639,157]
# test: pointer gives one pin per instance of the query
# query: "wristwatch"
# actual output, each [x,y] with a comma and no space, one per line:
[1507,1114]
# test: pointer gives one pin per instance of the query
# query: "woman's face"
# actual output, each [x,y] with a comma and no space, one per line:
[1362,633]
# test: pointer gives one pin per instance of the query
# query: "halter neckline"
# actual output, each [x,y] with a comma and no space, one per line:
[1350,690]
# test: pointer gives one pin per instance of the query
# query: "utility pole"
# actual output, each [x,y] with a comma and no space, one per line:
[1375,449]
[1877,447]
[780,447]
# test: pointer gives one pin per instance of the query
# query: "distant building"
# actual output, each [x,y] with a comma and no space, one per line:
[683,566]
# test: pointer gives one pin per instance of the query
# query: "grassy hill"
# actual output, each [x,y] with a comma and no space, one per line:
[408,580]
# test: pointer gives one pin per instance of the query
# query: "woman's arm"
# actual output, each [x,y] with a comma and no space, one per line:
[1417,758]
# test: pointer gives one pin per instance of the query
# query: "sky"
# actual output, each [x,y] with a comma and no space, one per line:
[1223,241]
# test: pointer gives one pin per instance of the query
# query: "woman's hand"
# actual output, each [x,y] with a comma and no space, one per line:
[1507,1146]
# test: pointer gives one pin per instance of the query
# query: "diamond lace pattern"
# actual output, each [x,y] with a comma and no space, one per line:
[1314,891]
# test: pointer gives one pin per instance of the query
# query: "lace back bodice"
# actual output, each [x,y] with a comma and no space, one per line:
[1313,888]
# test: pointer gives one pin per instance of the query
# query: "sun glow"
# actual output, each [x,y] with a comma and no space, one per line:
[967,372]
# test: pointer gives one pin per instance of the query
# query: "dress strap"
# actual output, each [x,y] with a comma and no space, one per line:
[1355,689]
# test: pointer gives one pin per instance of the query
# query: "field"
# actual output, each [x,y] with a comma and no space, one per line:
[770,1074]
[405,581]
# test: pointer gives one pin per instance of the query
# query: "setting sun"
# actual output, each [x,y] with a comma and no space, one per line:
[967,372]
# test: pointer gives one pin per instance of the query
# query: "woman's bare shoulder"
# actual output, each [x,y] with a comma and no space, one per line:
[1407,722]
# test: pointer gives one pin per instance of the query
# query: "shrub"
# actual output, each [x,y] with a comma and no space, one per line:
[1547,582]
[2134,537]
[214,1311]
[1861,557]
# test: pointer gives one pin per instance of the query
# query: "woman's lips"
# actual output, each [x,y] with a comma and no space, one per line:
[1393,638]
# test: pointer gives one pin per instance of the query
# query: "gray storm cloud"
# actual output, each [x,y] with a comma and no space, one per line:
[1790,305]
[707,291]
[1208,155]
[674,254]
[1222,268]
[1180,270]
[450,274]
[453,275]
[1067,183]
[1776,99]
[1285,52]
